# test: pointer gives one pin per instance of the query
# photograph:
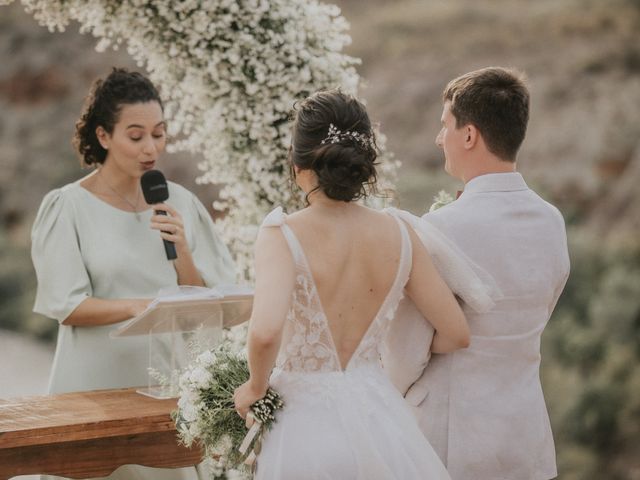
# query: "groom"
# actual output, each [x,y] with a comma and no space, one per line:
[482,408]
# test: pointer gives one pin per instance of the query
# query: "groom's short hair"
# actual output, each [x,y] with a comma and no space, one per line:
[496,101]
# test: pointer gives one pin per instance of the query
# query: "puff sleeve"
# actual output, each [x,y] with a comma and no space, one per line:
[210,255]
[63,281]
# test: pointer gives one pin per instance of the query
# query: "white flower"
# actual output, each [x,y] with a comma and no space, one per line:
[194,430]
[440,200]
[223,446]
[189,414]
[200,377]
[206,358]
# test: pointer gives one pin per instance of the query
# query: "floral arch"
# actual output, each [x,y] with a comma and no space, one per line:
[229,71]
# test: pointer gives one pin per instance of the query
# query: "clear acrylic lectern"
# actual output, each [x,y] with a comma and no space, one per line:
[180,324]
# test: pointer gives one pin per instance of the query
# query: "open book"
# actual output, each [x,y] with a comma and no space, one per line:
[187,308]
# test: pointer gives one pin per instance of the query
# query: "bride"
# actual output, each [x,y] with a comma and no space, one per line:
[328,282]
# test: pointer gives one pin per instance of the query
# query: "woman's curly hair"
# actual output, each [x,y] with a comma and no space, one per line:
[102,109]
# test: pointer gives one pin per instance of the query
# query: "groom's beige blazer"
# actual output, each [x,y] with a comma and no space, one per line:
[482,407]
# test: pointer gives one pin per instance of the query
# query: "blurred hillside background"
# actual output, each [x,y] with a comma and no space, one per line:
[582,153]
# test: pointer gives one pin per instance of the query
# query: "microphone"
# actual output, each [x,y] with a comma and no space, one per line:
[155,190]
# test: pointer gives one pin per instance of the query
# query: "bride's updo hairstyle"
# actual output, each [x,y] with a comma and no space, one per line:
[332,136]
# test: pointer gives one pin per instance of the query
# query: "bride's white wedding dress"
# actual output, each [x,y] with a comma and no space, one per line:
[340,423]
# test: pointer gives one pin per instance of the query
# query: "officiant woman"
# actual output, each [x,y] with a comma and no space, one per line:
[97,245]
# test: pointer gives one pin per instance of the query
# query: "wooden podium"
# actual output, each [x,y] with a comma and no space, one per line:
[88,434]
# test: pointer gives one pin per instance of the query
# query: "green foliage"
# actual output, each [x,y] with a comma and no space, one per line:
[17,292]
[591,366]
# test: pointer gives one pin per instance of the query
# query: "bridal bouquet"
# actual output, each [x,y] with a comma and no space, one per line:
[206,413]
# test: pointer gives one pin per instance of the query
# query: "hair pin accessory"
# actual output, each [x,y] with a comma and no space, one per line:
[334,136]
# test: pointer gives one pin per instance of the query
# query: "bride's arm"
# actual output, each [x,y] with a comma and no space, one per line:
[275,279]
[435,301]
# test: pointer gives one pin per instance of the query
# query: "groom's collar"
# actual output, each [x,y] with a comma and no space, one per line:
[496,182]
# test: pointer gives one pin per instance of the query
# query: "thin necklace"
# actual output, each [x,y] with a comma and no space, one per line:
[134,207]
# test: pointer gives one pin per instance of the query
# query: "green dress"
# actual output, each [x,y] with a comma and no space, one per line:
[83,247]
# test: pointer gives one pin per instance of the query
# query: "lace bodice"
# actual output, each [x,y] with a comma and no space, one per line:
[307,344]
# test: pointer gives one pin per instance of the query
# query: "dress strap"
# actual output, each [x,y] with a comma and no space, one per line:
[277,218]
[406,252]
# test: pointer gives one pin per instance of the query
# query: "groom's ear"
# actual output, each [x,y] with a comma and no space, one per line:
[471,136]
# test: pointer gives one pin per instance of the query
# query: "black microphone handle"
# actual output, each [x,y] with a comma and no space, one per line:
[169,246]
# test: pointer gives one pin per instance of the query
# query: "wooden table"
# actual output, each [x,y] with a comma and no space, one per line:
[88,434]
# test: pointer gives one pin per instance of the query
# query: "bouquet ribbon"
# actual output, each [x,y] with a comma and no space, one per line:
[255,429]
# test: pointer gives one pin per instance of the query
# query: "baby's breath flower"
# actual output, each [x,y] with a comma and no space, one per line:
[440,200]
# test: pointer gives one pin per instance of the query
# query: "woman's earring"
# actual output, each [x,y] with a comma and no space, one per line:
[292,179]
[292,171]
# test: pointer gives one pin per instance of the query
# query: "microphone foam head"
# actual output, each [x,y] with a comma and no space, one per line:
[154,187]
